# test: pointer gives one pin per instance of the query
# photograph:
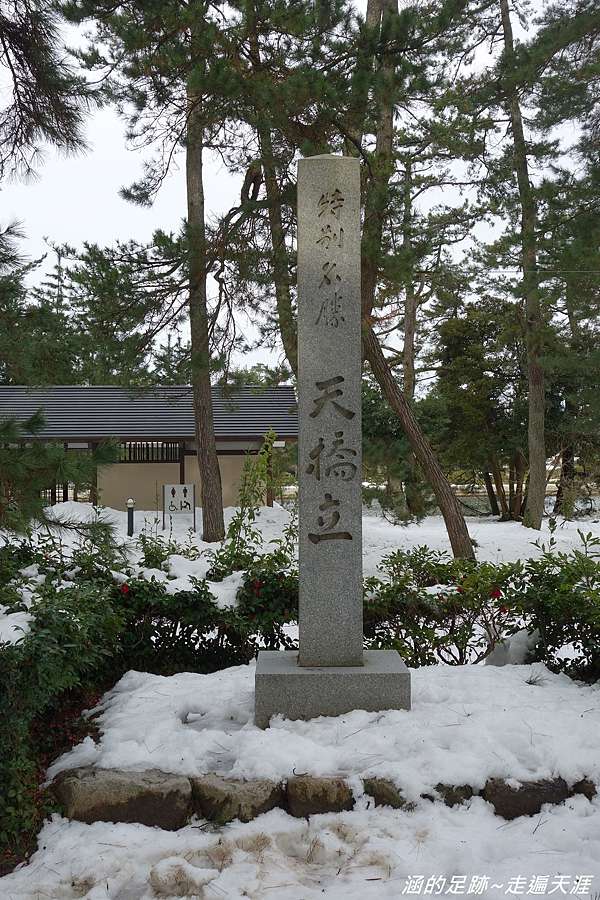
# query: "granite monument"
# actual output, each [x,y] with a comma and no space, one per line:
[331,674]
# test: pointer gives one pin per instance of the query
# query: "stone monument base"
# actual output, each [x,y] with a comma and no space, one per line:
[305,692]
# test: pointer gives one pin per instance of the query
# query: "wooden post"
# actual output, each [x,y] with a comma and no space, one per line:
[182,462]
[94,485]
[270,478]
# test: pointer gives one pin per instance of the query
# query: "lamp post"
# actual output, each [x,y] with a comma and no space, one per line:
[130,505]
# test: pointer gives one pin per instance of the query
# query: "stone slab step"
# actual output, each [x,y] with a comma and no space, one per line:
[168,801]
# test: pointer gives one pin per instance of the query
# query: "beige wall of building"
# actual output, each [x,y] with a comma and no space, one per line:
[231,471]
[144,481]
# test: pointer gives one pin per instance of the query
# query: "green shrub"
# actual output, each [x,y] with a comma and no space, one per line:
[155,549]
[267,600]
[71,640]
[424,567]
[183,631]
[559,595]
[461,622]
[13,557]
[239,550]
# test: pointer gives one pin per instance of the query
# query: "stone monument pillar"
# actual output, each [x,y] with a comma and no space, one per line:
[329,412]
[331,674]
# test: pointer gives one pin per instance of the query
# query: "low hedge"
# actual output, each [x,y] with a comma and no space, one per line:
[70,643]
[87,630]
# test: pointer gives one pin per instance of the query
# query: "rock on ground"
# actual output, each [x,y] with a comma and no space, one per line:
[151,797]
[224,799]
[308,796]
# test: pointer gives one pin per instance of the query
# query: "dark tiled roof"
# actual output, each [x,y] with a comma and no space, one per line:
[88,413]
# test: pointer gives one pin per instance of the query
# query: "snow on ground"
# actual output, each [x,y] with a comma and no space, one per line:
[360,855]
[467,724]
[496,541]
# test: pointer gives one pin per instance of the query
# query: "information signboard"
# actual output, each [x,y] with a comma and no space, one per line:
[179,500]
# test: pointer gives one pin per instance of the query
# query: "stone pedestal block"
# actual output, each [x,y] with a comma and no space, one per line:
[305,692]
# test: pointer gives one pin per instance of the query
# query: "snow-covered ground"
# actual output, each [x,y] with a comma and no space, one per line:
[496,541]
[380,854]
[467,724]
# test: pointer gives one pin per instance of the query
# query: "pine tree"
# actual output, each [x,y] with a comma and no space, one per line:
[45,351]
[350,91]
[46,100]
[168,67]
[570,262]
[29,466]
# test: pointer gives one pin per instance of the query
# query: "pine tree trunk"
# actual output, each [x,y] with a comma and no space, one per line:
[410,330]
[491,493]
[446,500]
[213,528]
[410,297]
[567,468]
[567,478]
[534,510]
[94,484]
[281,278]
[520,466]
[382,167]
[499,484]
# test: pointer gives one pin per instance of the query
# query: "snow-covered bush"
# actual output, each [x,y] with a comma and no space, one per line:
[13,558]
[157,548]
[177,632]
[240,549]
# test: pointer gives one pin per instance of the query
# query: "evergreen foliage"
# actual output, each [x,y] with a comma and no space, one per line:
[430,98]
[29,466]
[45,98]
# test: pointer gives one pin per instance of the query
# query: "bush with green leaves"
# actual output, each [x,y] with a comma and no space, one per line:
[72,640]
[425,567]
[13,558]
[268,600]
[239,550]
[558,595]
[431,609]
[183,631]
[85,634]
[155,549]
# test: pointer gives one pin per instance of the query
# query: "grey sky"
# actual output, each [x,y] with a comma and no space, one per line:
[76,199]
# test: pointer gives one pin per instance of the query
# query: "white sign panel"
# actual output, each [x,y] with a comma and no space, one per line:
[179,500]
